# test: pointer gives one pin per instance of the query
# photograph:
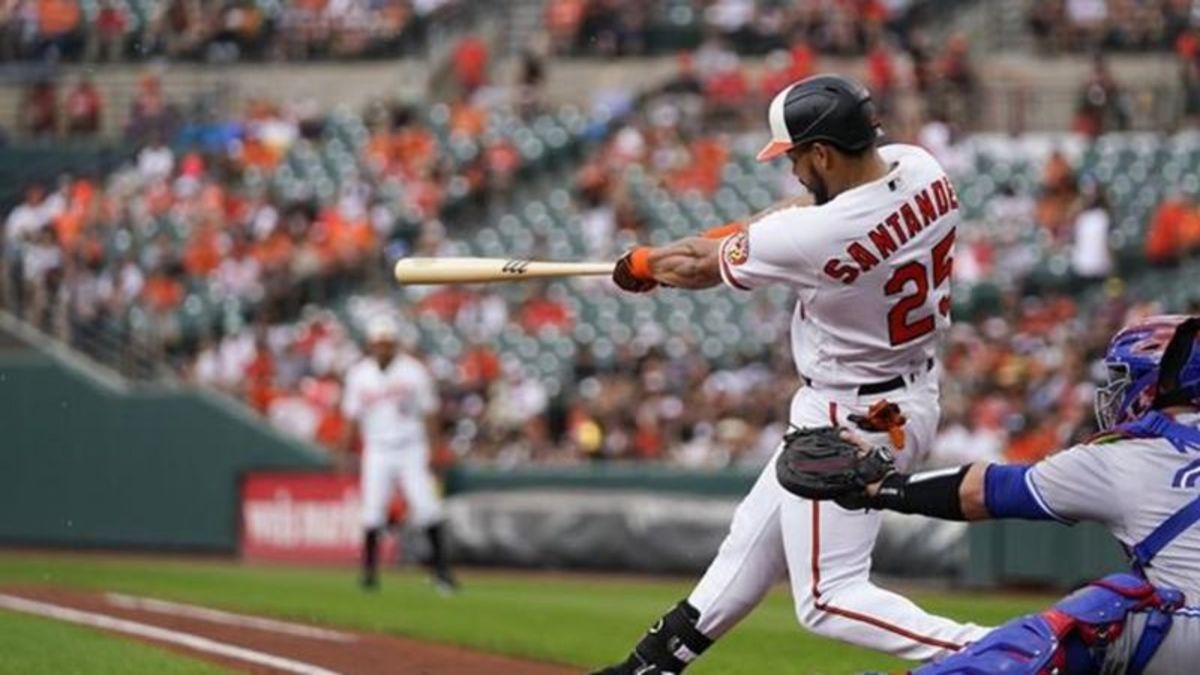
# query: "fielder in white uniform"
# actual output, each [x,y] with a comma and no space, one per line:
[393,400]
[870,263]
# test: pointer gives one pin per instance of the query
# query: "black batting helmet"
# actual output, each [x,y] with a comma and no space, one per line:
[828,108]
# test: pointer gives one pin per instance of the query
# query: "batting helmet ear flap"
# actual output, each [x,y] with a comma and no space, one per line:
[1174,358]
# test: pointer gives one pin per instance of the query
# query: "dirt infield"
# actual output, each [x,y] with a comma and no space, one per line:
[258,645]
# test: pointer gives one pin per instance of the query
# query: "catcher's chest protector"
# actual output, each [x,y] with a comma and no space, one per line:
[1071,637]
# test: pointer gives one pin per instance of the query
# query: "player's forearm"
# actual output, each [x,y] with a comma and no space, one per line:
[971,492]
[687,263]
[948,494]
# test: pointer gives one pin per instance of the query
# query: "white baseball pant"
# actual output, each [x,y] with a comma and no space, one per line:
[385,469]
[824,549]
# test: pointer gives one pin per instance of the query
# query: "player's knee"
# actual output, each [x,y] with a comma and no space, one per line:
[428,516]
[814,616]
[811,616]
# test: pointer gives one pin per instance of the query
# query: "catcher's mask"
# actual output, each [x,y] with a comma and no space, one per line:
[1151,364]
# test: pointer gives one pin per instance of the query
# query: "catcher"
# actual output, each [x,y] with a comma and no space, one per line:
[1140,478]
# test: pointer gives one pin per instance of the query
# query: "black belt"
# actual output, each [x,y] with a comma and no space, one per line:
[872,388]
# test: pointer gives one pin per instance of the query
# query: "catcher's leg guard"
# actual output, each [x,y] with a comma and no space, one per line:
[1023,646]
[1069,638]
[668,646]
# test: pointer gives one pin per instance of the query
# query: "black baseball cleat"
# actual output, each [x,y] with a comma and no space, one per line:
[444,582]
[634,665]
[369,581]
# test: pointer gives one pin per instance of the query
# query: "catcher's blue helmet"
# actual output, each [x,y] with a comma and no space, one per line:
[1151,364]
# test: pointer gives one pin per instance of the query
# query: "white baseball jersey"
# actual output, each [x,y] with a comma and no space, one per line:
[390,404]
[871,268]
[1131,486]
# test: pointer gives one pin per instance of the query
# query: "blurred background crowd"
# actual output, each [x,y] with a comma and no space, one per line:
[242,248]
[217,30]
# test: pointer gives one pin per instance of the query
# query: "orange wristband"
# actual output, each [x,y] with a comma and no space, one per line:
[722,231]
[639,263]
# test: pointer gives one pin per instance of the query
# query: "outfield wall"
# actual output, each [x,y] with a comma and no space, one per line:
[659,519]
[88,460]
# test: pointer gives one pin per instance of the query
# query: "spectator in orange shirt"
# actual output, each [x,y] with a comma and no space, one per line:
[333,431]
[1034,444]
[540,311]
[58,27]
[479,366]
[804,61]
[1058,193]
[563,18]
[470,62]
[202,253]
[443,302]
[1165,235]
[260,375]
[162,291]
[466,118]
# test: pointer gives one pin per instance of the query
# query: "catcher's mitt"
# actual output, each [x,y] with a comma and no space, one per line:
[820,463]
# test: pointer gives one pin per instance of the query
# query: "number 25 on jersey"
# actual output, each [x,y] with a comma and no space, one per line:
[913,282]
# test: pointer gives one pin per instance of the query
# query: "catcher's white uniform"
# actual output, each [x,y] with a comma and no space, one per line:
[871,270]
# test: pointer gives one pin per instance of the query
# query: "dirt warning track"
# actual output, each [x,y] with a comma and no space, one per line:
[258,644]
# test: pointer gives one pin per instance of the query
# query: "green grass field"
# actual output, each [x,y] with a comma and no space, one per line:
[582,621]
[35,645]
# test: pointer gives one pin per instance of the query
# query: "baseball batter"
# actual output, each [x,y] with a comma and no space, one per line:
[1141,480]
[869,260]
[391,397]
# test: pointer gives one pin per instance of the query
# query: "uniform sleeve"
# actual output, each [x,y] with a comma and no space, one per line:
[1074,484]
[427,396]
[770,250]
[352,397]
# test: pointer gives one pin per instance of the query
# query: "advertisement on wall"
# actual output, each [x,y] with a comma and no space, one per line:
[301,517]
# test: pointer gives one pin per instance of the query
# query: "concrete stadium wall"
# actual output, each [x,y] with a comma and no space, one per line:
[86,460]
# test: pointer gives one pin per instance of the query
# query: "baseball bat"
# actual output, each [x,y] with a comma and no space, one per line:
[476,270]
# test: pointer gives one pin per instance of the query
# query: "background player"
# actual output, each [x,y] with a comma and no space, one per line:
[1140,480]
[870,263]
[392,398]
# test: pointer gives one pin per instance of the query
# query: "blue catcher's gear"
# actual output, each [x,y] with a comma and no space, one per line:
[1151,364]
[1070,638]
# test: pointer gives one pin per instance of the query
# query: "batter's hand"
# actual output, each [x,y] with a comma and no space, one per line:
[830,463]
[632,272]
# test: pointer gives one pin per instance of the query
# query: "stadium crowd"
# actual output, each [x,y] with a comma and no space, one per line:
[1111,25]
[626,27]
[216,246]
[1017,386]
[225,30]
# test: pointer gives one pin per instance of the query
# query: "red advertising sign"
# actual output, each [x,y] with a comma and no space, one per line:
[302,517]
